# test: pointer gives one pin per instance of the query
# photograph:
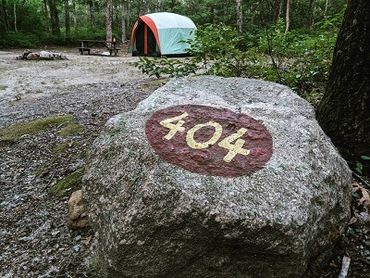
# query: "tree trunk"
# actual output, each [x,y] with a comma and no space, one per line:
[108,19]
[91,12]
[47,15]
[344,112]
[15,16]
[67,22]
[311,13]
[287,16]
[212,19]
[239,15]
[128,11]
[123,20]
[55,29]
[74,18]
[5,14]
[277,10]
[4,18]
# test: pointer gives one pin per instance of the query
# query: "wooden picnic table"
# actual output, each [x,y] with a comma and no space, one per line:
[87,45]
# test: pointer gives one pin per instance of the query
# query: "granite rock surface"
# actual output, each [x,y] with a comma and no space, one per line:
[155,218]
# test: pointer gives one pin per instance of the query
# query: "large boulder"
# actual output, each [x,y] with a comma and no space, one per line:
[216,177]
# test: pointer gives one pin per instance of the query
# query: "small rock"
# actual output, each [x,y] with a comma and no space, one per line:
[33,56]
[45,55]
[77,164]
[76,248]
[54,233]
[77,217]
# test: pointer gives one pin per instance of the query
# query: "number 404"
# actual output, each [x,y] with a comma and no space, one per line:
[232,143]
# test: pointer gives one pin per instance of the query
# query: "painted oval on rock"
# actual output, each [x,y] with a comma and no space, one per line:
[209,140]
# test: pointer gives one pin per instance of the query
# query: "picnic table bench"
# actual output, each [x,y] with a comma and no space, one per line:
[87,45]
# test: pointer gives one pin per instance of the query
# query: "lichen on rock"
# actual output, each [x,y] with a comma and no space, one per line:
[156,218]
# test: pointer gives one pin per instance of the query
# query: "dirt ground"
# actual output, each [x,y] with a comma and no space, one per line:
[36,78]
[34,238]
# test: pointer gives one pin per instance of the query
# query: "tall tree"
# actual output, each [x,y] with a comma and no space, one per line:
[67,21]
[54,18]
[15,16]
[287,16]
[311,11]
[123,20]
[46,13]
[344,112]
[91,8]
[277,10]
[239,15]
[3,18]
[108,5]
[326,7]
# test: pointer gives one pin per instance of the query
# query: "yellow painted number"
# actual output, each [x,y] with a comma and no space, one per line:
[175,125]
[196,145]
[174,128]
[237,147]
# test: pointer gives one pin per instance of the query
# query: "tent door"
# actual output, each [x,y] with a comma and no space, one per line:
[145,41]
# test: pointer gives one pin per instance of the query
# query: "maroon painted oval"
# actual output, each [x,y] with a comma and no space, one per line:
[209,140]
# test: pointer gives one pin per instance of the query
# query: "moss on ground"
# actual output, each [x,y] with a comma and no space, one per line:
[61,147]
[16,131]
[70,130]
[73,180]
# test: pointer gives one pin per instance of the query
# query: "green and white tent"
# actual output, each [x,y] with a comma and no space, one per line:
[161,34]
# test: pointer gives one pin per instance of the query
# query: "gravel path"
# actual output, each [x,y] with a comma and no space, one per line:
[34,239]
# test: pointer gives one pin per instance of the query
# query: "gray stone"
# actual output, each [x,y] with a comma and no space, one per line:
[46,55]
[33,56]
[156,219]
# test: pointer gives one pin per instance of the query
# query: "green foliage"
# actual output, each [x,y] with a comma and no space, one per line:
[33,17]
[361,164]
[33,40]
[359,167]
[20,39]
[165,66]
[299,59]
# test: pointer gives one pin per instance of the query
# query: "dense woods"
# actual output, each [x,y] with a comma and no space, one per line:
[34,22]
